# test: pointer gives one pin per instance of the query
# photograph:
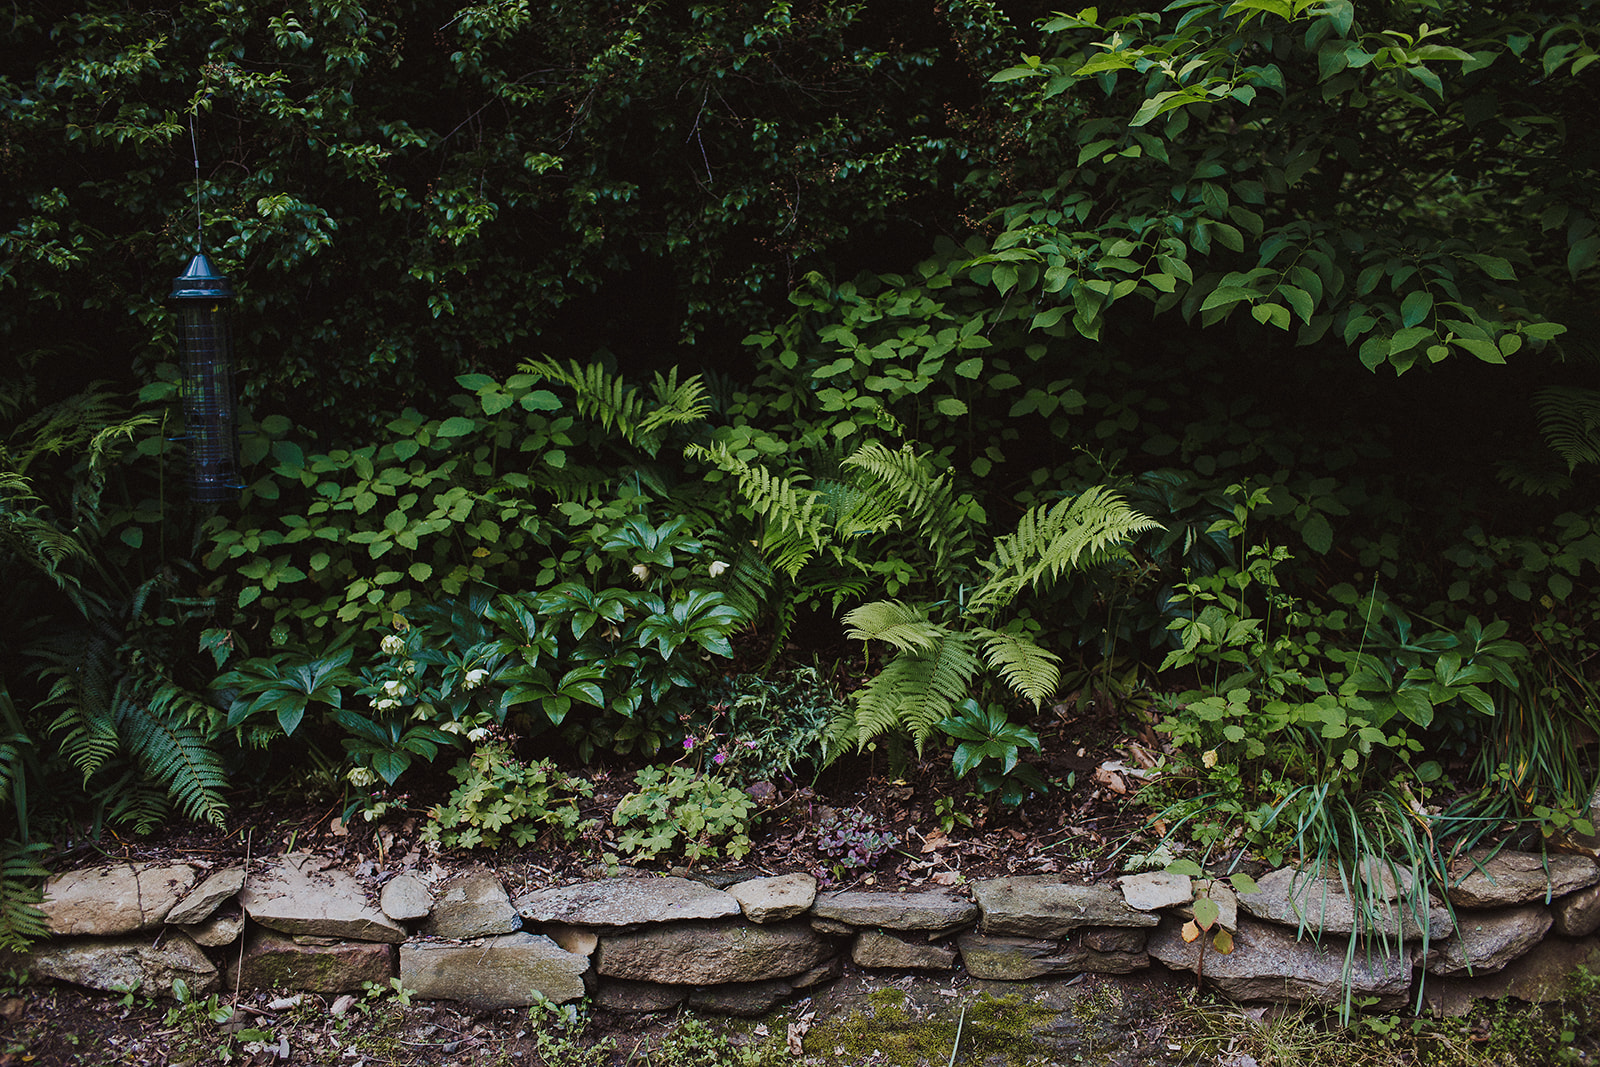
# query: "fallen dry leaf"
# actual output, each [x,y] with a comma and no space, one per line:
[934,840]
[1111,779]
[944,878]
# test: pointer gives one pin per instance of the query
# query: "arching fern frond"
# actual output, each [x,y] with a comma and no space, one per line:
[608,399]
[907,477]
[1031,671]
[172,752]
[1052,539]
[1569,418]
[793,517]
[21,921]
[916,691]
[902,625]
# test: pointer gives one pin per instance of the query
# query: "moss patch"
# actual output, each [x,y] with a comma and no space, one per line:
[891,1030]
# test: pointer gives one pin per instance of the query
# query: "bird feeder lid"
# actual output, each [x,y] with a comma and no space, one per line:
[201,281]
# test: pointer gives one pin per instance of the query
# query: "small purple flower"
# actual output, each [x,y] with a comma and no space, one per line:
[688,743]
[720,758]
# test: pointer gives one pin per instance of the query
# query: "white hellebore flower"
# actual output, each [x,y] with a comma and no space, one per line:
[641,571]
[394,687]
[717,567]
[392,645]
[474,678]
[477,733]
[360,776]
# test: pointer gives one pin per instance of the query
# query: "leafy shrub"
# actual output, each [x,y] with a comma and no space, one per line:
[675,809]
[501,797]
[991,745]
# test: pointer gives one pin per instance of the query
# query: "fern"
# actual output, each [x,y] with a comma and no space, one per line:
[1031,671]
[609,400]
[916,691]
[174,753]
[908,477]
[1052,539]
[21,921]
[794,518]
[1569,418]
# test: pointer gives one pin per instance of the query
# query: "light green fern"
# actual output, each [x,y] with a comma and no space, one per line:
[608,399]
[21,921]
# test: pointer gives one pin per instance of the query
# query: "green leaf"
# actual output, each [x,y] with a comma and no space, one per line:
[1415,307]
[456,426]
[951,406]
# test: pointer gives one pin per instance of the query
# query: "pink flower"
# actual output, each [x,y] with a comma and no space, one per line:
[688,743]
[720,758]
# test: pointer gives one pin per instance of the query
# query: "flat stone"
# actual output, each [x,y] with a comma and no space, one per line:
[577,939]
[1155,890]
[626,902]
[1267,963]
[832,927]
[1018,959]
[222,928]
[207,897]
[1510,878]
[299,894]
[500,972]
[1320,904]
[1541,975]
[771,900]
[118,899]
[619,994]
[273,961]
[705,953]
[743,998]
[1039,906]
[110,964]
[406,898]
[472,905]
[1577,914]
[875,949]
[1112,938]
[823,972]
[896,911]
[1485,941]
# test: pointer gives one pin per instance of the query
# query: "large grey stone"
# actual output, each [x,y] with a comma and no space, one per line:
[1154,890]
[704,953]
[1017,959]
[111,900]
[204,899]
[896,911]
[1039,906]
[273,961]
[1267,963]
[473,904]
[771,900]
[301,894]
[1485,941]
[501,972]
[1542,974]
[125,963]
[875,949]
[1319,903]
[406,897]
[626,902]
[1577,914]
[1505,879]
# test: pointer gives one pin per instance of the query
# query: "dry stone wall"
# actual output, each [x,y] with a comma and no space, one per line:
[1517,924]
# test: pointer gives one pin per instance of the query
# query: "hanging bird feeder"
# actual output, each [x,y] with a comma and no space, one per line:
[201,297]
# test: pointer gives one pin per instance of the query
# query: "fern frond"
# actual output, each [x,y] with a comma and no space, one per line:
[1569,418]
[1031,671]
[916,691]
[612,402]
[907,476]
[856,510]
[794,518]
[175,754]
[902,625]
[87,725]
[21,921]
[1054,538]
